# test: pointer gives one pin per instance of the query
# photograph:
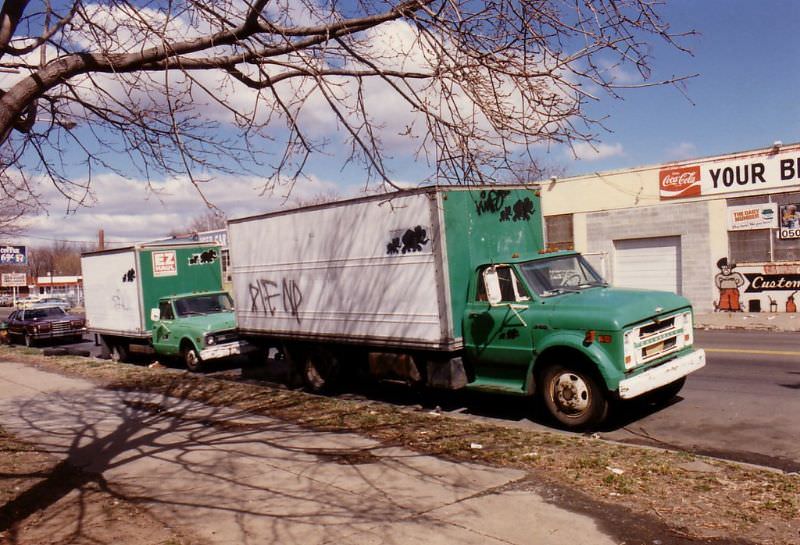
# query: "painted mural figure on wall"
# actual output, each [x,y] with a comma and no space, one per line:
[728,283]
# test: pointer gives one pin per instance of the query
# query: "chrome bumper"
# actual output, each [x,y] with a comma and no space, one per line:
[225,350]
[662,375]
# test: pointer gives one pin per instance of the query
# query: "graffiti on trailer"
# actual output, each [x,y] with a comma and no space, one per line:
[119,300]
[493,202]
[209,256]
[266,294]
[411,241]
[129,276]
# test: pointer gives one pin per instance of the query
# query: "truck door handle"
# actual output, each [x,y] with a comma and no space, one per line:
[473,314]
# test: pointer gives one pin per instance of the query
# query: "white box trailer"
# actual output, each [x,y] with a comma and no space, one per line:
[368,270]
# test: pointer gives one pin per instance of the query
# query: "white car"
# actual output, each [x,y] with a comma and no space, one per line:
[54,302]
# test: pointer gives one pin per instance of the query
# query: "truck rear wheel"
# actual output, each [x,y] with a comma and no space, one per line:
[319,369]
[119,353]
[573,396]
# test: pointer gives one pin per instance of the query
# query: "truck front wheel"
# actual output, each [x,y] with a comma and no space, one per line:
[192,359]
[573,396]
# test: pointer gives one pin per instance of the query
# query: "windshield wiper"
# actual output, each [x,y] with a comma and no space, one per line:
[559,291]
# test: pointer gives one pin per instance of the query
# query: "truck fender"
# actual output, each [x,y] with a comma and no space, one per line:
[573,342]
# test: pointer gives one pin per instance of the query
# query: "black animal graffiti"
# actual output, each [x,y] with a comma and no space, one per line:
[414,239]
[491,202]
[494,202]
[264,291]
[394,246]
[523,209]
[209,256]
[129,276]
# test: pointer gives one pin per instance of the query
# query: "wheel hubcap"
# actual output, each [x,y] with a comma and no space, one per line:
[571,393]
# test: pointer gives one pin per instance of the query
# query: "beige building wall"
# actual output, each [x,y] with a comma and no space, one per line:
[633,204]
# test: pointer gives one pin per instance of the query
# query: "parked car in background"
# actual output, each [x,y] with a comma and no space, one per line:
[30,325]
[6,300]
[25,302]
[53,301]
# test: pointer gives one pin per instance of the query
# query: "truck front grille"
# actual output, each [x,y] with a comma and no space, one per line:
[656,339]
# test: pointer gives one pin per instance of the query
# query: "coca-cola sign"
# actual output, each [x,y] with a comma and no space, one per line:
[679,182]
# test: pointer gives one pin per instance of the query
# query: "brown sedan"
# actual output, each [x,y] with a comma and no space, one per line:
[44,322]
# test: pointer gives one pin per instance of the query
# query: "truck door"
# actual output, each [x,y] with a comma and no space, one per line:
[163,341]
[497,338]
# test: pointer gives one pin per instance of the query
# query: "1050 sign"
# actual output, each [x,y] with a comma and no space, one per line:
[790,233]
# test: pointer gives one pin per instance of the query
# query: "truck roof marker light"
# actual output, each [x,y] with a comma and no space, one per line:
[515,255]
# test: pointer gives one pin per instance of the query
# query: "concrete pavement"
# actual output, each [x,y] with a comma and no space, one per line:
[230,477]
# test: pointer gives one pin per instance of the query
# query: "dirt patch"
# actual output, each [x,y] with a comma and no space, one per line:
[671,497]
[86,511]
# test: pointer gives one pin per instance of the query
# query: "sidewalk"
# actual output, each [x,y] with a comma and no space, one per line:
[765,321]
[229,477]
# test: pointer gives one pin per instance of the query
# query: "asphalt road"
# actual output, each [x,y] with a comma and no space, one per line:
[744,405]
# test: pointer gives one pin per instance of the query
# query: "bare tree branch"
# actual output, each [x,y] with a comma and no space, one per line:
[199,88]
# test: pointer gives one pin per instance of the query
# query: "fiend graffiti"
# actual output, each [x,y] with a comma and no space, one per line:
[757,288]
[209,256]
[494,201]
[412,241]
[265,295]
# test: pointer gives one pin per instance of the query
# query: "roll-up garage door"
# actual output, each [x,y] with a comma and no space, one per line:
[648,263]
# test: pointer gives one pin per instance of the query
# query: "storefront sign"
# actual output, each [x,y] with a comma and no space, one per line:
[772,282]
[772,171]
[753,216]
[13,280]
[790,221]
[13,255]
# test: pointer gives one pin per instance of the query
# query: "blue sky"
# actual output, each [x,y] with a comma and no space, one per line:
[744,97]
[747,94]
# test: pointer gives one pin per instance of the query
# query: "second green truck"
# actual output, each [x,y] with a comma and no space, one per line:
[165,299]
[452,288]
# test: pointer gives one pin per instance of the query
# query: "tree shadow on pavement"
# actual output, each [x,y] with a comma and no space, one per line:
[230,476]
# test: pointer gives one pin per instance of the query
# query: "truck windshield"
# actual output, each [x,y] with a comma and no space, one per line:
[560,274]
[203,304]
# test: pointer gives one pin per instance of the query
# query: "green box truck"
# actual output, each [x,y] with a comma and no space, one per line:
[165,299]
[452,288]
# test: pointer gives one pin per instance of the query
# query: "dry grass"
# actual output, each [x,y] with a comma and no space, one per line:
[722,501]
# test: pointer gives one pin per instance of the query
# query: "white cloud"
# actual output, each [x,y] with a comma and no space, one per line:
[595,152]
[682,150]
[130,211]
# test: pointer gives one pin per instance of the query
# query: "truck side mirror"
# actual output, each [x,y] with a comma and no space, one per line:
[491,281]
[155,314]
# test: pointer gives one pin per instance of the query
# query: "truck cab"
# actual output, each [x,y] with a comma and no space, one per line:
[196,327]
[551,325]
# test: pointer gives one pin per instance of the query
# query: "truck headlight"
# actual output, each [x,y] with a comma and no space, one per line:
[630,356]
[210,340]
[688,329]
